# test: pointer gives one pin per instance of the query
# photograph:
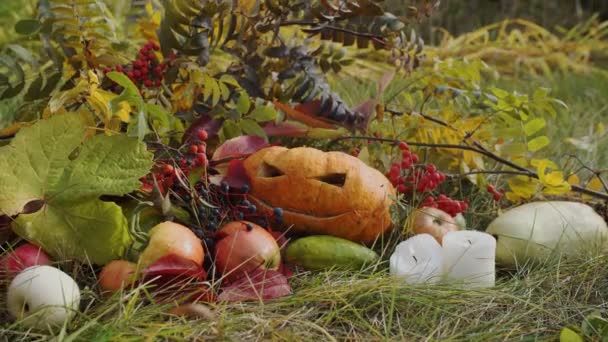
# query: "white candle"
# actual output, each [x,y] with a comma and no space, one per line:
[469,258]
[417,260]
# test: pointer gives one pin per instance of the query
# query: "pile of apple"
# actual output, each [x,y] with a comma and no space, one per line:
[42,296]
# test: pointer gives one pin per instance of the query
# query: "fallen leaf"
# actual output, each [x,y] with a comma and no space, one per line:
[172,266]
[236,175]
[255,286]
[239,147]
[176,278]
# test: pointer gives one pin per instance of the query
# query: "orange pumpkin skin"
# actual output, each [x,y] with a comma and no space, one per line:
[330,193]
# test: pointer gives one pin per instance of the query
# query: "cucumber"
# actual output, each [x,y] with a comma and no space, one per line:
[321,252]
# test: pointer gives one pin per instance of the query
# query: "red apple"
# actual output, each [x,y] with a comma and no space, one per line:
[171,238]
[116,275]
[433,221]
[244,247]
[22,257]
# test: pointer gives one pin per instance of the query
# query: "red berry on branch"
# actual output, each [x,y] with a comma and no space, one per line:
[430,168]
[201,158]
[148,83]
[107,70]
[151,56]
[168,169]
[130,74]
[403,146]
[157,83]
[402,188]
[119,68]
[193,149]
[202,134]
[137,74]
[415,158]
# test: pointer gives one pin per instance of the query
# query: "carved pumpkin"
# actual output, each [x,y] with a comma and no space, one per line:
[329,193]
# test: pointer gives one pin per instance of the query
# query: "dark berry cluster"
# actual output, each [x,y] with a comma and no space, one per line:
[214,203]
[146,71]
[410,177]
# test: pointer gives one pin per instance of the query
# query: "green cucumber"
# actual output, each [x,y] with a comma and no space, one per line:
[321,252]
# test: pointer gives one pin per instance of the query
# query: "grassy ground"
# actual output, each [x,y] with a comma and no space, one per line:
[530,304]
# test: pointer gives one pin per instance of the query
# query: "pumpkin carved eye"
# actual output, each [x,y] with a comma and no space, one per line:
[269,171]
[335,179]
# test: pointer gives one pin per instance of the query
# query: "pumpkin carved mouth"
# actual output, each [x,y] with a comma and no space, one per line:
[268,206]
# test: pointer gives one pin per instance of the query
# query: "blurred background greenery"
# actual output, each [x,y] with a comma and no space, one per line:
[457,16]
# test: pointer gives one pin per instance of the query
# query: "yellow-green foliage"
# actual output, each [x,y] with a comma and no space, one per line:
[523,47]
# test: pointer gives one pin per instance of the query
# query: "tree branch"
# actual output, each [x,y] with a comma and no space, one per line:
[478,148]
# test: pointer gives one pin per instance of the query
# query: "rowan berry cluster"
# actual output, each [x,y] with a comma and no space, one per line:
[410,177]
[146,71]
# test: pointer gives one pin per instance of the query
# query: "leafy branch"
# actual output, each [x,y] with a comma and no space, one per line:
[522,171]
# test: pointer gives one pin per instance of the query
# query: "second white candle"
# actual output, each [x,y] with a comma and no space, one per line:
[469,258]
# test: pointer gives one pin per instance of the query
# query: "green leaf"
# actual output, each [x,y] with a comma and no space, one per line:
[227,79]
[533,126]
[49,162]
[251,127]
[243,103]
[568,335]
[91,230]
[123,81]
[231,129]
[28,26]
[263,114]
[538,143]
[595,325]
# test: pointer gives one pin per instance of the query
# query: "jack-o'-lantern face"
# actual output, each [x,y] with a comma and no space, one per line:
[329,193]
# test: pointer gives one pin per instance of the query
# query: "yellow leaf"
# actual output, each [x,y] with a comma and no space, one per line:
[595,184]
[124,111]
[522,187]
[574,180]
[100,102]
[536,162]
[553,182]
[600,129]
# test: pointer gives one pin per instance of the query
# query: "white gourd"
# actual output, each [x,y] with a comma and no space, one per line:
[537,231]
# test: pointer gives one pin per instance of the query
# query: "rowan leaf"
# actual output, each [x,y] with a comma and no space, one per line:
[538,143]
